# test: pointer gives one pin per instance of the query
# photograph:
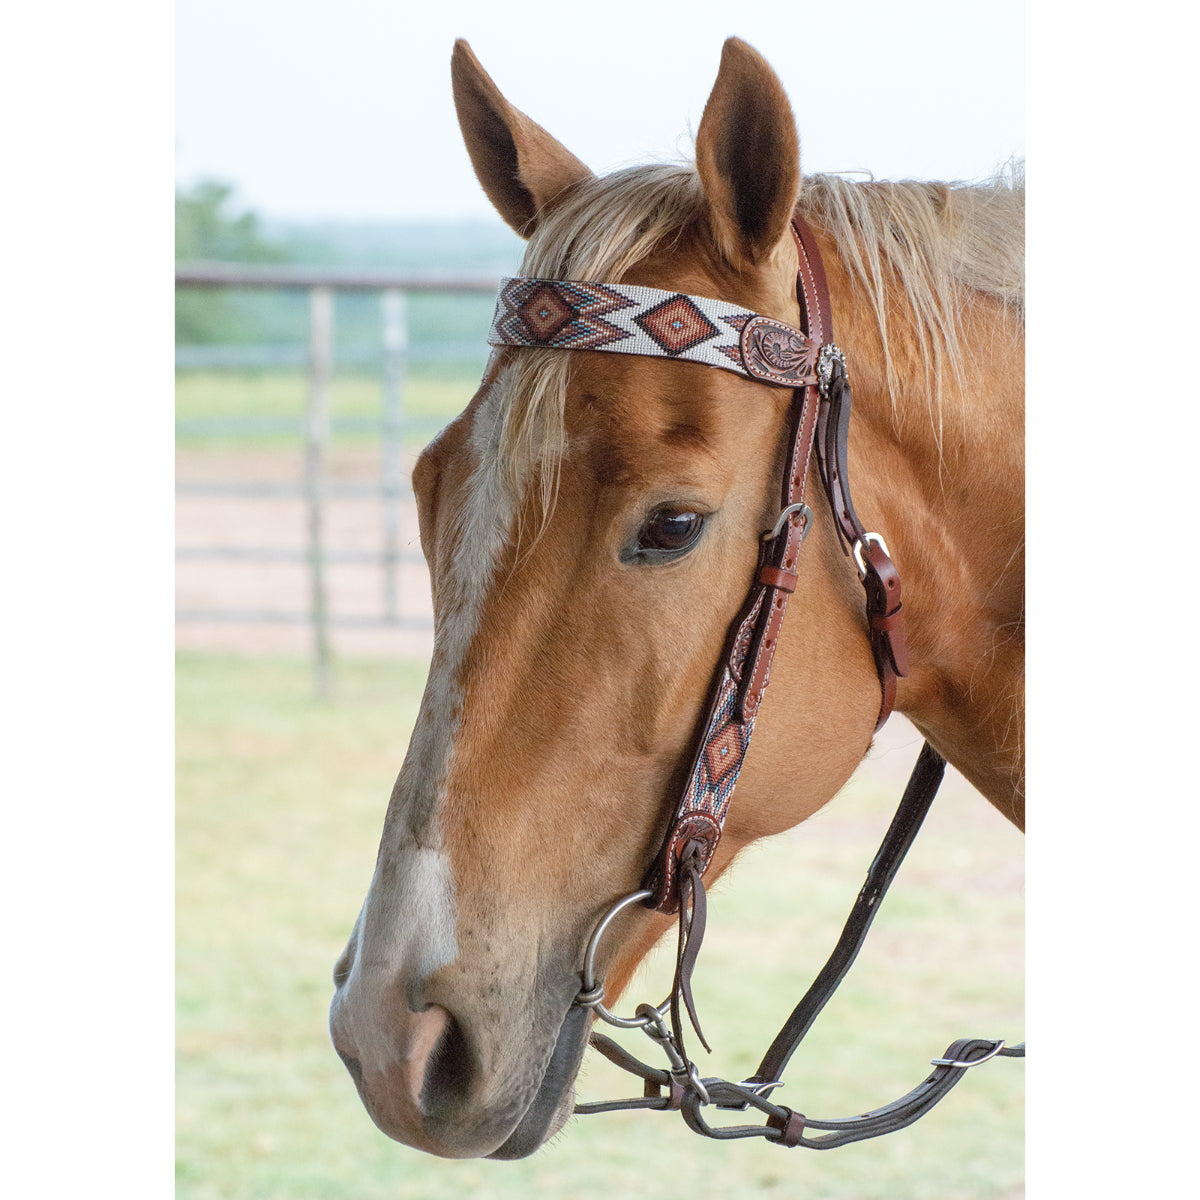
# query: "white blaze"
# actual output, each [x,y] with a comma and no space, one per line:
[407,926]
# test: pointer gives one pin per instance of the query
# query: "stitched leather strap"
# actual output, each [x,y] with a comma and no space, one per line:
[880,580]
[778,559]
[812,287]
[746,667]
[914,805]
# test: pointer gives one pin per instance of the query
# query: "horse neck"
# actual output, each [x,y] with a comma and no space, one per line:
[942,480]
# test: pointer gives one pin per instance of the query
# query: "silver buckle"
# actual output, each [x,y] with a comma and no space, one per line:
[805,513]
[857,549]
[825,359]
[953,1062]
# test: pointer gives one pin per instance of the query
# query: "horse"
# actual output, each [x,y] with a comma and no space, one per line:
[592,523]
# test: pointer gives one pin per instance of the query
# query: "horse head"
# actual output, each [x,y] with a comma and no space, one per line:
[591,523]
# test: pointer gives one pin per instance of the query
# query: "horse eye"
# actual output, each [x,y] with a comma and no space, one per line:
[669,531]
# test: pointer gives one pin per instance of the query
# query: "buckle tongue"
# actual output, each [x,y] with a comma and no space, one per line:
[806,522]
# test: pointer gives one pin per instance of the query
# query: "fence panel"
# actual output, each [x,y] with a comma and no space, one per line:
[313,432]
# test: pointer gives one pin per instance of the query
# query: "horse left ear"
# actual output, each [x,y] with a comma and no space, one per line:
[522,168]
[748,156]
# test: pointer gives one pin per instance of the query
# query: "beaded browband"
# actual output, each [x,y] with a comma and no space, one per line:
[570,315]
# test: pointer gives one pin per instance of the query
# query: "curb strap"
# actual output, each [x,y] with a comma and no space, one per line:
[691,933]
[820,417]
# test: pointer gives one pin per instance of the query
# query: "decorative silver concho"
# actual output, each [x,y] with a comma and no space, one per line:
[829,355]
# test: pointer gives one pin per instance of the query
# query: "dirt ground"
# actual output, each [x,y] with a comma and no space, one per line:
[355,590]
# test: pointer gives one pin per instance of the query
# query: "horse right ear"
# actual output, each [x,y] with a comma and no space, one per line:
[522,168]
[748,156]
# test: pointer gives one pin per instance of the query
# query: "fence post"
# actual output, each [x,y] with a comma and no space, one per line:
[391,483]
[316,440]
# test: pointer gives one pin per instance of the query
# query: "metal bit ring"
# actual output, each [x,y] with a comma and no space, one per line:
[591,994]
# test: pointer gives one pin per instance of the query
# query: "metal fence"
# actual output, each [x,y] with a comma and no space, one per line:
[314,487]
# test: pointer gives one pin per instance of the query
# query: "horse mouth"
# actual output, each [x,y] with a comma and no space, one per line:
[550,1108]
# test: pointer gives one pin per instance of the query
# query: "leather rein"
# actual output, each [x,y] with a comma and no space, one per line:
[579,315]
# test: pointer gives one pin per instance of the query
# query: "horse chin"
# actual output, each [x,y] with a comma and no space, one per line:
[555,1098]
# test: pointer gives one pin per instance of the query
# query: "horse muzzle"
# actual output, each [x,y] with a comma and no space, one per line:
[423,1076]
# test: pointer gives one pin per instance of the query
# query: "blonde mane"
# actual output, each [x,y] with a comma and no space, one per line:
[922,245]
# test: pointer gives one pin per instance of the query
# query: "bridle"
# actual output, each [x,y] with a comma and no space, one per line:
[622,319]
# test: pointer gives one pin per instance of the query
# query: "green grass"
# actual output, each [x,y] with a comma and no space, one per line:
[430,395]
[280,805]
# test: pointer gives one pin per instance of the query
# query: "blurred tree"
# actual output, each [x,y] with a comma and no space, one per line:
[205,228]
[208,227]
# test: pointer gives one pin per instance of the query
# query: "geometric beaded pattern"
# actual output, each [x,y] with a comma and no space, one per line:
[719,762]
[723,746]
[571,315]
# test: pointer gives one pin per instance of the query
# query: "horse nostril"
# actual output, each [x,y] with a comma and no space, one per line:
[422,1033]
[450,1069]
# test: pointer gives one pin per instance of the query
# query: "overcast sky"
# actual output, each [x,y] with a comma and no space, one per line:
[315,109]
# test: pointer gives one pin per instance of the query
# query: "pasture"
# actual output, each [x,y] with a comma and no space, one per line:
[274,398]
[280,803]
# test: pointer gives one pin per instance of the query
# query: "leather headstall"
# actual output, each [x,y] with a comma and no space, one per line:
[627,319]
[569,314]
[820,415]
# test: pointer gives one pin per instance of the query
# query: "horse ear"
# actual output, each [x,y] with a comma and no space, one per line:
[522,168]
[748,156]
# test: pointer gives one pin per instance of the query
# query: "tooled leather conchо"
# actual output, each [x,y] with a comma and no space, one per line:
[578,315]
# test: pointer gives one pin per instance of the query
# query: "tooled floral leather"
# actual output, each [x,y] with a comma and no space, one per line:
[695,829]
[777,353]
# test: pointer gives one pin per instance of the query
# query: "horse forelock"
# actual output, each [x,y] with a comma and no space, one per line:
[599,232]
[484,519]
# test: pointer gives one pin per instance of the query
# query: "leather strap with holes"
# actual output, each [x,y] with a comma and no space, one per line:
[820,416]
[880,580]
